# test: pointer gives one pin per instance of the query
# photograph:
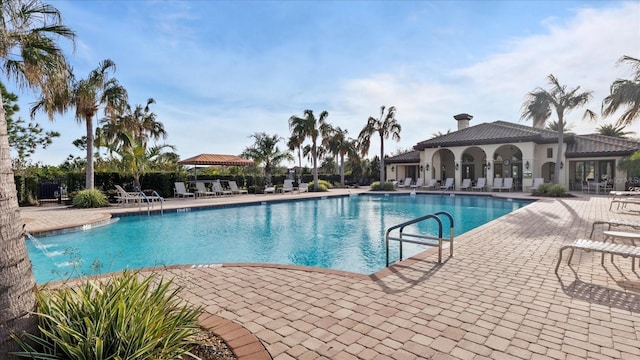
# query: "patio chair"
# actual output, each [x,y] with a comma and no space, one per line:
[270,190]
[235,190]
[418,183]
[217,187]
[614,223]
[288,186]
[431,185]
[497,184]
[480,184]
[448,184]
[201,190]
[181,190]
[466,184]
[124,197]
[406,183]
[303,187]
[507,184]
[536,183]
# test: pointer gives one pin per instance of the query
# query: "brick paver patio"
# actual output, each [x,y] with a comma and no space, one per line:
[498,298]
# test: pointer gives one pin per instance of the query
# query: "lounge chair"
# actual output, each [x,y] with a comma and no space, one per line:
[406,183]
[507,184]
[624,202]
[217,187]
[536,184]
[466,184]
[270,190]
[288,186]
[448,184]
[202,191]
[235,190]
[480,184]
[497,184]
[431,185]
[601,247]
[181,190]
[303,187]
[614,223]
[418,183]
[126,197]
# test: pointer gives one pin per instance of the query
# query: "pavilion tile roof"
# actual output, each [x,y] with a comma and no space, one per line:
[601,145]
[216,159]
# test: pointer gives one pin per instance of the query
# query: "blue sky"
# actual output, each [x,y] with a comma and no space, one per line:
[221,71]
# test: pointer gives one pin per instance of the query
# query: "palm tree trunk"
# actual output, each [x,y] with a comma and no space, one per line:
[381,162]
[314,153]
[342,171]
[17,284]
[89,176]
[556,175]
[299,165]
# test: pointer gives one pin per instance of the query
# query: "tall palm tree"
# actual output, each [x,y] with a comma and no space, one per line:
[141,123]
[385,126]
[340,145]
[625,94]
[614,131]
[554,126]
[540,103]
[87,96]
[310,127]
[135,157]
[30,55]
[265,151]
[295,143]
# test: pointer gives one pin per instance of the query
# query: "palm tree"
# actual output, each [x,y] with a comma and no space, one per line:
[540,103]
[265,151]
[136,157]
[340,145]
[554,126]
[87,95]
[614,131]
[625,94]
[29,54]
[141,123]
[295,143]
[310,127]
[385,126]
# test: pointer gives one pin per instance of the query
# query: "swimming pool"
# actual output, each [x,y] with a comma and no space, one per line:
[343,233]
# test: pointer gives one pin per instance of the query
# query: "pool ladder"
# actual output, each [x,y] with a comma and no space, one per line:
[422,239]
[149,201]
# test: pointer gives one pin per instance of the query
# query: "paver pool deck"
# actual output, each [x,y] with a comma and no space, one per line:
[497,298]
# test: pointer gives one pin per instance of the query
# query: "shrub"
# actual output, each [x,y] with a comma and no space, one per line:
[552,190]
[323,185]
[90,198]
[388,186]
[120,318]
[557,190]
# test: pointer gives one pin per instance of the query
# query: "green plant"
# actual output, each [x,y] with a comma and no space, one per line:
[388,186]
[120,318]
[552,190]
[90,198]
[323,185]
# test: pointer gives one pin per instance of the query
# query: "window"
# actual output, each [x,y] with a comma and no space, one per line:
[549,153]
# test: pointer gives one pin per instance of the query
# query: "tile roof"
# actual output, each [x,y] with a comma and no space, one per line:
[408,157]
[216,159]
[497,132]
[500,132]
[601,145]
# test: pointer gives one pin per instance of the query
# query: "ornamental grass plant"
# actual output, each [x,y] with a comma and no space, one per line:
[90,198]
[122,317]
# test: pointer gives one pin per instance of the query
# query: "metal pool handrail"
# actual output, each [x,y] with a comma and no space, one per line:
[422,239]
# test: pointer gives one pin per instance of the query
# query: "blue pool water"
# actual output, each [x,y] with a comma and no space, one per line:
[344,233]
